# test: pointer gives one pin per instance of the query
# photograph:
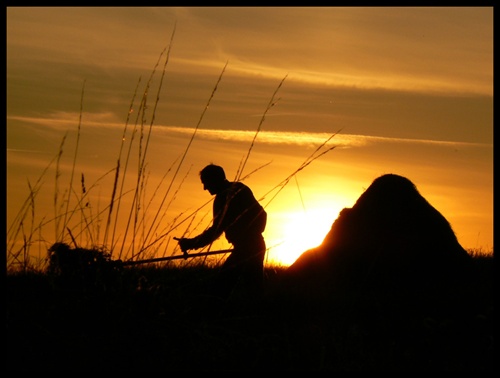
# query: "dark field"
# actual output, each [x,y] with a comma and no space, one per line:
[140,319]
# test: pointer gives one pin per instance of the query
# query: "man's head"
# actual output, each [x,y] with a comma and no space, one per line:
[213,177]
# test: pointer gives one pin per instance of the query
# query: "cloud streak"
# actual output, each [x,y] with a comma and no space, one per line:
[444,49]
[65,121]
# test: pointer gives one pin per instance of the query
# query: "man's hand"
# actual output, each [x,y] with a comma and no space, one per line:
[186,244]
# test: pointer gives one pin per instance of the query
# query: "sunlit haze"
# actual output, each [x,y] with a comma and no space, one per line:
[306,105]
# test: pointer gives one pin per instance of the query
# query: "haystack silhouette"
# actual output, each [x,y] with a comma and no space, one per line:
[391,241]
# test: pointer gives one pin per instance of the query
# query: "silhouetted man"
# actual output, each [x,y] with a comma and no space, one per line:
[240,216]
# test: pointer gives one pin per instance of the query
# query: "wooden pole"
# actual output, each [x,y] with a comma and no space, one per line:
[177,257]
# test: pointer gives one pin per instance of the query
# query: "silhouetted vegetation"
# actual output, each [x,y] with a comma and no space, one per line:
[160,318]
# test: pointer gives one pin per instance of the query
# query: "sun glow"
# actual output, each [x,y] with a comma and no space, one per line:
[296,232]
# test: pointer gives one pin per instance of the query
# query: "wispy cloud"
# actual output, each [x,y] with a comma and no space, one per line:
[394,48]
[64,121]
[307,138]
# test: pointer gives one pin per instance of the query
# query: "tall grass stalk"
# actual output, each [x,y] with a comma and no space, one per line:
[27,242]
[300,193]
[84,223]
[147,208]
[271,103]
[80,206]
[117,174]
[142,156]
[174,227]
[160,85]
[160,220]
[315,155]
[56,186]
[66,213]
[17,226]
[13,256]
[134,131]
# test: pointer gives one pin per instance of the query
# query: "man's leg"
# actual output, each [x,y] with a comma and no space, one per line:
[227,277]
[253,273]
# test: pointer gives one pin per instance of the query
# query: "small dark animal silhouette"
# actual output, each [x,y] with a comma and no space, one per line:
[80,267]
[391,239]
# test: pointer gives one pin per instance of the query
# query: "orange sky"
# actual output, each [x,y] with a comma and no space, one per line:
[409,89]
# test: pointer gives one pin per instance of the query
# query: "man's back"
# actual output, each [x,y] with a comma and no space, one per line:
[241,214]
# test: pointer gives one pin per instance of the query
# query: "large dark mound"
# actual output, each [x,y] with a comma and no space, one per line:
[391,240]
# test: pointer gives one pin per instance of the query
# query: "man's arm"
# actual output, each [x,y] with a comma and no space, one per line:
[210,234]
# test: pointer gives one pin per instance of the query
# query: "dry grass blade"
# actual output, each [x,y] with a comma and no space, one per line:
[315,155]
[271,103]
[142,163]
[146,210]
[27,238]
[255,170]
[66,220]
[16,226]
[81,205]
[56,189]
[117,173]
[158,96]
[173,228]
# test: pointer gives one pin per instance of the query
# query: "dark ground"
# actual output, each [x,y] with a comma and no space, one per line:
[161,319]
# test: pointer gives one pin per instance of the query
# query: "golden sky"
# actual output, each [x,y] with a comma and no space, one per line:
[408,90]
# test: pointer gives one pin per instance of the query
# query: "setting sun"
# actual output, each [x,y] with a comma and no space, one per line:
[296,232]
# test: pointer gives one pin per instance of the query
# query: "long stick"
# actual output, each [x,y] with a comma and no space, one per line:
[177,257]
